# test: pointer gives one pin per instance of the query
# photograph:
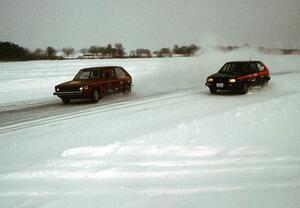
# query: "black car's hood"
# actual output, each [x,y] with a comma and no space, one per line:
[224,75]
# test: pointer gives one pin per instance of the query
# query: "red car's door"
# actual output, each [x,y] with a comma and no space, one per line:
[111,83]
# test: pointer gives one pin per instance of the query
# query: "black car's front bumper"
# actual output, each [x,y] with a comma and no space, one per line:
[224,85]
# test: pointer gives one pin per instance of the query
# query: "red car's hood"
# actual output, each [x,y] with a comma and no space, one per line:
[72,83]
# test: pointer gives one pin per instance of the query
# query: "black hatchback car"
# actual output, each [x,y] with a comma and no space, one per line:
[238,76]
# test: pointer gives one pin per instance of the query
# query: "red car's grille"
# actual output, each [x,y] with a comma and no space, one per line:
[69,89]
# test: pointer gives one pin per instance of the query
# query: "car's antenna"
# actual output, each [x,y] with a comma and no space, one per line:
[250,58]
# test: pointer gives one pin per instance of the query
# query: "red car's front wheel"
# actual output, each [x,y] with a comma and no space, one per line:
[96,95]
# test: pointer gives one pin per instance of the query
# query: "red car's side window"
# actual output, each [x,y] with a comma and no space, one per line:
[109,74]
[120,73]
[96,74]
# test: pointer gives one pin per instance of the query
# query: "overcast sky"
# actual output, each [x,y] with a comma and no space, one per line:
[150,23]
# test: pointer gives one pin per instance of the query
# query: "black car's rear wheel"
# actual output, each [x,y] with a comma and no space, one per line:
[264,83]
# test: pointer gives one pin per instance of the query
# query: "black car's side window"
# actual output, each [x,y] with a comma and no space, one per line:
[240,69]
[253,69]
[260,66]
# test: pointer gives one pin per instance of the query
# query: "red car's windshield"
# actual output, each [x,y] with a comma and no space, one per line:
[83,75]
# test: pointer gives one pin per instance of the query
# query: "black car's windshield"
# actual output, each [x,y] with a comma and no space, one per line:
[234,68]
[83,75]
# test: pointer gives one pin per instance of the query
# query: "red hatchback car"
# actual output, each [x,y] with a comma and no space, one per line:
[94,83]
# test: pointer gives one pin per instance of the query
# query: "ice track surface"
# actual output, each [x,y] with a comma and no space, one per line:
[180,148]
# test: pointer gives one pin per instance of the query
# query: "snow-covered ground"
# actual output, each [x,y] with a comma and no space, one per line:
[169,144]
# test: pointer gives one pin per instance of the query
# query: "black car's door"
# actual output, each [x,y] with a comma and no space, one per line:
[253,71]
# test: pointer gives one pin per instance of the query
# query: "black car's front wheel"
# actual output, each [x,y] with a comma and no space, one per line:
[243,89]
[213,90]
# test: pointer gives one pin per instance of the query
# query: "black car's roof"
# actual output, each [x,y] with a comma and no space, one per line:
[237,62]
[99,67]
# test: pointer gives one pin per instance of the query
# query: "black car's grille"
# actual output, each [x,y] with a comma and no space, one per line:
[220,79]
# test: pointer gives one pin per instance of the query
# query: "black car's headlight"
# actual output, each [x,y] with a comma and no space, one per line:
[232,80]
[210,79]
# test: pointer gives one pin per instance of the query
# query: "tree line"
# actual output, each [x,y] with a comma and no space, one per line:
[167,52]
[13,52]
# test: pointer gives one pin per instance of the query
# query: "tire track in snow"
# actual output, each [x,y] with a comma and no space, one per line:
[107,107]
[21,115]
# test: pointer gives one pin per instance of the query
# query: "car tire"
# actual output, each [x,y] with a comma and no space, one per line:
[127,89]
[66,100]
[96,95]
[244,89]
[213,90]
[265,83]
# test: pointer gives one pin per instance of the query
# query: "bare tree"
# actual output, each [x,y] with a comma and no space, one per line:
[141,52]
[109,50]
[99,51]
[185,50]
[84,51]
[192,49]
[176,49]
[93,50]
[119,50]
[165,52]
[51,52]
[68,51]
[38,52]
